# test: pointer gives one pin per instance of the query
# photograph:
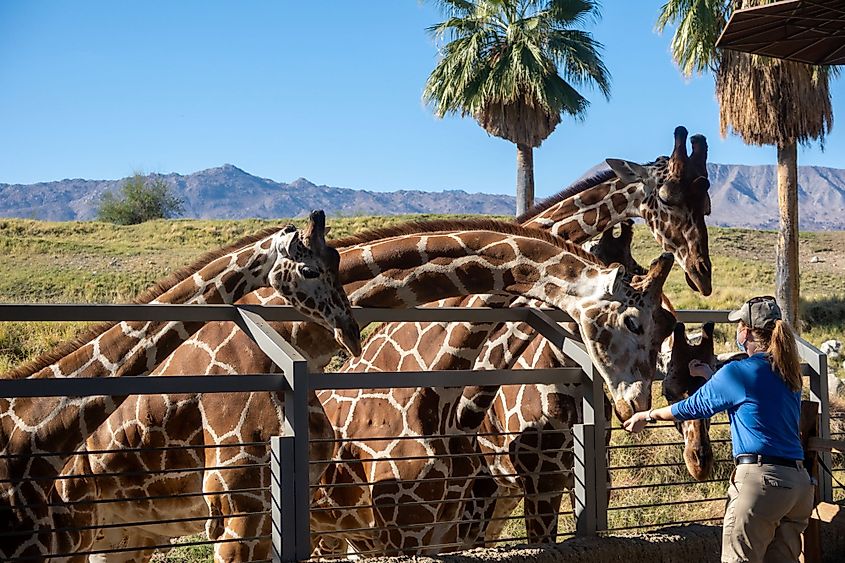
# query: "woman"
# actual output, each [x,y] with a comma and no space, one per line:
[770,496]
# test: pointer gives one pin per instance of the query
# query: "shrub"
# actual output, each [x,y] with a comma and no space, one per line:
[140,199]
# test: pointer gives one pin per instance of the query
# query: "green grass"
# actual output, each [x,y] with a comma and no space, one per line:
[103,263]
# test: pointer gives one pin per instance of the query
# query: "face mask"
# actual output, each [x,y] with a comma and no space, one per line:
[741,346]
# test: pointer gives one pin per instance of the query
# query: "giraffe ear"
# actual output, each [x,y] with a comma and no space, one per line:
[627,171]
[615,278]
[289,243]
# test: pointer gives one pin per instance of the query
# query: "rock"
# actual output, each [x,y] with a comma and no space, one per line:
[832,349]
[815,260]
[835,386]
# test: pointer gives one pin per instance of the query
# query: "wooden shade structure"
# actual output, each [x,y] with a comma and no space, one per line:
[806,31]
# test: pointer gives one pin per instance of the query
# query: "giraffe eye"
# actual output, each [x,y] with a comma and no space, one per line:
[632,325]
[309,273]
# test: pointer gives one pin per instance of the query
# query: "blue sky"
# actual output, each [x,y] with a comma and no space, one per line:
[328,90]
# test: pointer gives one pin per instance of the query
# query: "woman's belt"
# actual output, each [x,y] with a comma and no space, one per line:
[769,460]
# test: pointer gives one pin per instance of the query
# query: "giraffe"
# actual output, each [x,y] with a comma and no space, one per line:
[525,429]
[671,196]
[383,495]
[414,264]
[524,462]
[679,384]
[32,429]
[667,193]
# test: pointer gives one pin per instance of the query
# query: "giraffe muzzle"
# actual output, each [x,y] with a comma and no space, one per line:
[700,277]
[348,335]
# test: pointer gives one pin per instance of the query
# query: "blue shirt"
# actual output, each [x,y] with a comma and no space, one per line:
[763,411]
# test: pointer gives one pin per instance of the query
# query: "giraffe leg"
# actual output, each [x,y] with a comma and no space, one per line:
[544,463]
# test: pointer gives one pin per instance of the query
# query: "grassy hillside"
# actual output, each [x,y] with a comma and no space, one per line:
[43,262]
[103,263]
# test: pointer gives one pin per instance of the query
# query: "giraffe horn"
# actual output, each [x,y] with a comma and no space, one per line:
[679,153]
[315,231]
[698,158]
[657,274]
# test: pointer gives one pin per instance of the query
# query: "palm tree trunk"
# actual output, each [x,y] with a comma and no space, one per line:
[787,278]
[524,178]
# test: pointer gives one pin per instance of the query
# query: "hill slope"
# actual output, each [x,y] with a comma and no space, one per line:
[743,196]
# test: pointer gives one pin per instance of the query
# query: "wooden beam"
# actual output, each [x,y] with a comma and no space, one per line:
[825,445]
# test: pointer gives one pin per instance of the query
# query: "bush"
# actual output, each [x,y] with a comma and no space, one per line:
[140,199]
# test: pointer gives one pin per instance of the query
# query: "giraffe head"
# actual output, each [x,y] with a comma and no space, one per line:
[679,384]
[306,274]
[675,204]
[612,249]
[623,330]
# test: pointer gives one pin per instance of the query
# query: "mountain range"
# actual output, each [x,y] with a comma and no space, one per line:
[742,196]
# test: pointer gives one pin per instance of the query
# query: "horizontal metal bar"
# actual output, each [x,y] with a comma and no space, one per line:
[141,385]
[653,427]
[439,523]
[703,315]
[671,484]
[665,503]
[99,312]
[431,436]
[131,449]
[661,524]
[131,524]
[656,444]
[546,452]
[430,503]
[114,500]
[656,465]
[276,383]
[453,314]
[420,480]
[450,378]
[136,473]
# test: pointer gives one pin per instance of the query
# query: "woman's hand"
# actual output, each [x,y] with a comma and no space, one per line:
[698,368]
[636,422]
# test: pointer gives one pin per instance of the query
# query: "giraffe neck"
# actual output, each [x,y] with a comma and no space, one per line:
[38,425]
[591,212]
[416,269]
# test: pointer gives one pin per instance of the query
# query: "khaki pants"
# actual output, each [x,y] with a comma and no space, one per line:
[768,508]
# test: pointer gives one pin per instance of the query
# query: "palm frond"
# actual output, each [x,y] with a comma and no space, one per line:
[699,23]
[514,60]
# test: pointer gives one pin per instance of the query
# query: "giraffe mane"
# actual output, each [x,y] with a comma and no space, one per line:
[441,225]
[572,190]
[156,290]
[578,187]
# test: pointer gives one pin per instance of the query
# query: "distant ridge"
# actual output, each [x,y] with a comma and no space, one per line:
[742,196]
[227,192]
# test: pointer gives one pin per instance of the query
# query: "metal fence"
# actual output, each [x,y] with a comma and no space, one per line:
[594,498]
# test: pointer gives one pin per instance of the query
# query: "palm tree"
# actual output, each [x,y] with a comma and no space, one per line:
[512,64]
[764,101]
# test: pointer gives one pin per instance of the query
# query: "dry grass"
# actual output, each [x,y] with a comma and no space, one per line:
[96,262]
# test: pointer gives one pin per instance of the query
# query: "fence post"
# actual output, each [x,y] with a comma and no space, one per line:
[282,503]
[817,362]
[809,428]
[290,467]
[590,450]
[585,480]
